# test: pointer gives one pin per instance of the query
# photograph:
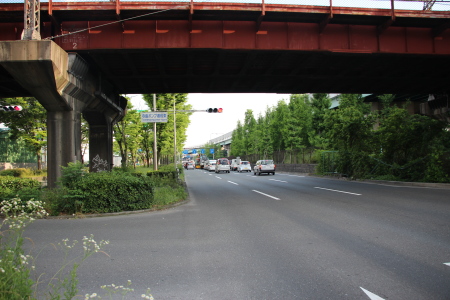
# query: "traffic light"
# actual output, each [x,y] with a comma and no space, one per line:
[214,110]
[11,107]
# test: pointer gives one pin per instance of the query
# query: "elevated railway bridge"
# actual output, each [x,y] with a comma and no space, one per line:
[79,57]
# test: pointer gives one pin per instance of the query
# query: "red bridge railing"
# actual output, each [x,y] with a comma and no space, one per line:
[434,5]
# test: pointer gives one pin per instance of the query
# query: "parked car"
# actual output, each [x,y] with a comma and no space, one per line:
[222,165]
[244,166]
[264,166]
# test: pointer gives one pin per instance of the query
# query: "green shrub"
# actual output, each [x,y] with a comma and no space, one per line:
[109,192]
[54,201]
[11,186]
[162,174]
[72,174]
[18,172]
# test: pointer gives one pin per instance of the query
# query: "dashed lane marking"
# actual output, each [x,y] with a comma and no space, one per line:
[267,195]
[372,296]
[448,264]
[278,180]
[233,182]
[337,191]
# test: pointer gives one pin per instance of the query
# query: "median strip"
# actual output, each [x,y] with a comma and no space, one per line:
[337,191]
[266,195]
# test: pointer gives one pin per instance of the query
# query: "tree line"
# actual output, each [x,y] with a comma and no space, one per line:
[133,140]
[351,139]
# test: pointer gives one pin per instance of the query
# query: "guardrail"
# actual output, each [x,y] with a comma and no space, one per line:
[438,5]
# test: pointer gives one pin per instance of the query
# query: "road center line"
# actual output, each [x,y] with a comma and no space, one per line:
[266,195]
[232,182]
[448,264]
[218,177]
[278,180]
[337,191]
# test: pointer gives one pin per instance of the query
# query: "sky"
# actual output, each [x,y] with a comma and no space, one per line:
[206,126]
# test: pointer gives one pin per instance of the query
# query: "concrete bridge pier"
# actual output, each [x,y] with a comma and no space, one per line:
[100,142]
[63,140]
[66,86]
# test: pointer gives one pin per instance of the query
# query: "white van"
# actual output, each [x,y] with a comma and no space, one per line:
[235,163]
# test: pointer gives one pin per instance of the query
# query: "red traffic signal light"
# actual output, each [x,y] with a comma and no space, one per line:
[214,110]
[11,108]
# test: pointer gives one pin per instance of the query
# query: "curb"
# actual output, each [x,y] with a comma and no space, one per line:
[387,182]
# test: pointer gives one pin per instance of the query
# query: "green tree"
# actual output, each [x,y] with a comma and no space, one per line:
[147,142]
[30,124]
[300,122]
[238,138]
[408,142]
[279,125]
[127,135]
[251,133]
[165,131]
[84,138]
[350,131]
[320,104]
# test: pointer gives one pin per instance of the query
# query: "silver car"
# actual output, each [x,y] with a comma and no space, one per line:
[222,165]
[210,165]
[244,166]
[264,166]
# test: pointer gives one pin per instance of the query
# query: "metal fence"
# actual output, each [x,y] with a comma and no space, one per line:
[438,5]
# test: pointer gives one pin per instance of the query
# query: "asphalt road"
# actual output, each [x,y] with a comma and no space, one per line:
[269,237]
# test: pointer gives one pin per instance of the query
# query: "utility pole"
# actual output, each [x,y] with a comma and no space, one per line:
[155,149]
[174,135]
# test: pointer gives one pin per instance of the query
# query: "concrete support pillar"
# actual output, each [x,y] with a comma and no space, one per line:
[64,136]
[100,142]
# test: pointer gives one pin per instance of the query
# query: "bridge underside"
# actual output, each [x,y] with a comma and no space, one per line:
[270,71]
[261,71]
[246,48]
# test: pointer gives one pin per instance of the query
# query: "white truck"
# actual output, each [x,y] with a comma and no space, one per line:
[235,163]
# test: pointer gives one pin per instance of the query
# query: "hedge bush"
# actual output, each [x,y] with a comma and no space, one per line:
[108,192]
[163,174]
[18,172]
[11,186]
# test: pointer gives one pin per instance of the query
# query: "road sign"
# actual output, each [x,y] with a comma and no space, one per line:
[154,117]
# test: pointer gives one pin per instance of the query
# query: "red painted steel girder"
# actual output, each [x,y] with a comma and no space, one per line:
[229,48]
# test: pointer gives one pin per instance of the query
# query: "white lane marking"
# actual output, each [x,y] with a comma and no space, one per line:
[232,182]
[292,175]
[316,187]
[278,180]
[266,195]
[372,296]
[448,264]
[218,177]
